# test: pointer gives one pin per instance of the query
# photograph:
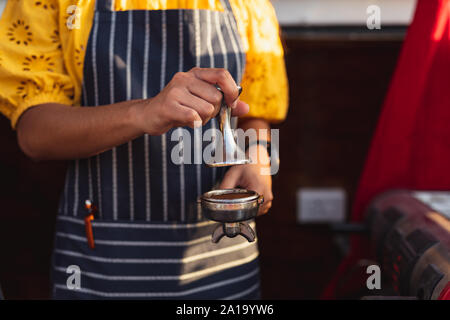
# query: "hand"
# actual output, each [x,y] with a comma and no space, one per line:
[188,99]
[249,177]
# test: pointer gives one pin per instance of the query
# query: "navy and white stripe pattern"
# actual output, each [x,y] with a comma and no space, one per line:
[121,44]
[157,260]
[151,240]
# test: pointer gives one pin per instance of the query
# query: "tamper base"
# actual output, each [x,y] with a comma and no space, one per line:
[229,163]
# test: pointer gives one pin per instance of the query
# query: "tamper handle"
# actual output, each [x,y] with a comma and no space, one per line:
[225,114]
[229,144]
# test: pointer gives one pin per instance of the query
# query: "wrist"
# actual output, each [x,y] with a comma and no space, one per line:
[136,116]
[258,153]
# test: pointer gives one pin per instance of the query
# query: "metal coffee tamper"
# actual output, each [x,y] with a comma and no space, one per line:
[231,207]
[230,149]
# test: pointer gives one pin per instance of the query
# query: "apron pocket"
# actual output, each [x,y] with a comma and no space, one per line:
[151,260]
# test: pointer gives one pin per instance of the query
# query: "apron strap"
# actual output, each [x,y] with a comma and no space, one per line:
[228,9]
[226,5]
[108,5]
[104,5]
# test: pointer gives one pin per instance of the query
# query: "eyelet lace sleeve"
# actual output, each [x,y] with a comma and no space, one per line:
[32,68]
[265,85]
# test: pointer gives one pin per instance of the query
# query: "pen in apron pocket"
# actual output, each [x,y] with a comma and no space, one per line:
[91,211]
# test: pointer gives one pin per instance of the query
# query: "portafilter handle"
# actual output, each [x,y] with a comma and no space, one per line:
[232,230]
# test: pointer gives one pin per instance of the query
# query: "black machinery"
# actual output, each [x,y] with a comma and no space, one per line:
[410,234]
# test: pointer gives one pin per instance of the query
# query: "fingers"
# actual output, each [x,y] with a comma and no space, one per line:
[241,109]
[223,79]
[203,108]
[267,204]
[263,186]
[196,90]
[230,180]
[265,190]
[185,116]
[206,91]
[242,177]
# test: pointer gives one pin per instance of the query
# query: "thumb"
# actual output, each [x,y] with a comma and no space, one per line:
[241,109]
[230,180]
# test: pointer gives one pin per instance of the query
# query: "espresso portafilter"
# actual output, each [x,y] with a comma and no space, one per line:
[233,208]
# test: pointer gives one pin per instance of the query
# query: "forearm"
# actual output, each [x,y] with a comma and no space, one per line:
[53,131]
[261,126]
[257,152]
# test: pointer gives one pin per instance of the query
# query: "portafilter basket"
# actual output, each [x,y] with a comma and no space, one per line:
[231,207]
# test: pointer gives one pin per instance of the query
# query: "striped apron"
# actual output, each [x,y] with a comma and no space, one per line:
[151,240]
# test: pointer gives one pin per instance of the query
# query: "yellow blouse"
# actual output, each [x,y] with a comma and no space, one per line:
[41,59]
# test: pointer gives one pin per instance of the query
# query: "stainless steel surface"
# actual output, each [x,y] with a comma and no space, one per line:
[212,196]
[232,154]
[232,213]
[230,210]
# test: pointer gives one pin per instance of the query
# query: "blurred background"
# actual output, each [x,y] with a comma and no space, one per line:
[339,71]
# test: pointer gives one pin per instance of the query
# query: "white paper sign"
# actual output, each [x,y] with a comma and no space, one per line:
[321,205]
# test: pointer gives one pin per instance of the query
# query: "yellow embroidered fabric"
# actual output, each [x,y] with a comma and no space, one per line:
[41,58]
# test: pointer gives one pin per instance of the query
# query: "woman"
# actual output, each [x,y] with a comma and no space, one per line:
[148,68]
